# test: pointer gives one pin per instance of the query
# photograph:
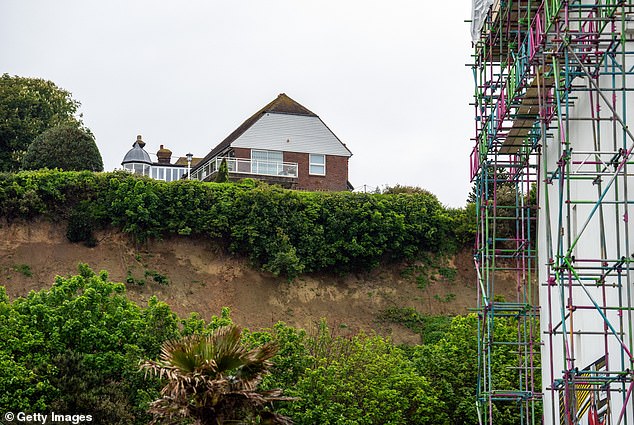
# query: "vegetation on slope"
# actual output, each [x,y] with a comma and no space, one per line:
[285,232]
[76,348]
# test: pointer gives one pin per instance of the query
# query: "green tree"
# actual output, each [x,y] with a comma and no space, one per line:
[223,172]
[76,348]
[28,107]
[66,147]
[397,188]
[213,379]
[363,380]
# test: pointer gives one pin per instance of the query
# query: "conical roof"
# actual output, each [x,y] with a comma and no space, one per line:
[137,153]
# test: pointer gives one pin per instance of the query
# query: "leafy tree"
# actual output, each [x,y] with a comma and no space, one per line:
[223,172]
[66,147]
[363,380]
[213,379]
[76,348]
[28,107]
[397,188]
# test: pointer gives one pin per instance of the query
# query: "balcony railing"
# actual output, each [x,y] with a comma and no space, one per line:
[248,166]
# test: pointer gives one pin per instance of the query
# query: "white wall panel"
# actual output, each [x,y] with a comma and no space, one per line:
[291,133]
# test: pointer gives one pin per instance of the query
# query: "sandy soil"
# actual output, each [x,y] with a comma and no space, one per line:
[204,279]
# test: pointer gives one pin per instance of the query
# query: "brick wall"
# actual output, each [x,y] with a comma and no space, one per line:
[336,177]
[242,153]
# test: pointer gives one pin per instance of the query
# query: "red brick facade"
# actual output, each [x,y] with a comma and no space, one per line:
[242,153]
[336,178]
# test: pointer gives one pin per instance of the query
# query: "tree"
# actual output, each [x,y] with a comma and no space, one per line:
[213,379]
[396,189]
[358,380]
[76,348]
[66,147]
[28,107]
[223,172]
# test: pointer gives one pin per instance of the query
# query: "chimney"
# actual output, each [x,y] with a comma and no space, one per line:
[164,155]
[139,141]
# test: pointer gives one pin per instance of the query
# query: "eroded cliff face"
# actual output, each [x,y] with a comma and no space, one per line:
[194,275]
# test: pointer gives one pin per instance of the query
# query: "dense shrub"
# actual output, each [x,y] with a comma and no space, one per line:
[76,348]
[283,231]
[82,221]
[360,380]
[67,147]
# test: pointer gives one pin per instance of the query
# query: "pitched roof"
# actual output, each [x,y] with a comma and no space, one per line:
[280,105]
[183,161]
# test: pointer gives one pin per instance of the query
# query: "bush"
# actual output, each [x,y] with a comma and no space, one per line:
[285,232]
[81,224]
[66,147]
[223,172]
[361,380]
[77,346]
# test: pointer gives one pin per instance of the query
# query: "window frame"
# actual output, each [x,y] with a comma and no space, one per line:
[266,169]
[316,164]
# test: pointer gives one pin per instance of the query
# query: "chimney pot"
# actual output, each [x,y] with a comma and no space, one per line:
[164,155]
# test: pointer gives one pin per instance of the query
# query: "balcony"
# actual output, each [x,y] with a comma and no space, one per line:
[272,171]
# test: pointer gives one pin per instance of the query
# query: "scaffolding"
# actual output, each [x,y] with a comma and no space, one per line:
[550,169]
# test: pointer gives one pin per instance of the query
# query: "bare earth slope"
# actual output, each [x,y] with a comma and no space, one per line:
[203,279]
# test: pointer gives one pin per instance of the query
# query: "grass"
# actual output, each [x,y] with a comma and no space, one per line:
[430,328]
[159,278]
[24,269]
[446,299]
[448,273]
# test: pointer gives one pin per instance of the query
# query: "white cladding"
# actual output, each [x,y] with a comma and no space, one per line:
[291,133]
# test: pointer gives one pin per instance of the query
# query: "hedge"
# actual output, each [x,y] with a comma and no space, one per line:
[283,231]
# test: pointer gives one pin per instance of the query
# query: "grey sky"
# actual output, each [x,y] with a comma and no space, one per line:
[387,77]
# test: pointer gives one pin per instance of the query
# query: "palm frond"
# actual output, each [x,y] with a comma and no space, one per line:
[214,376]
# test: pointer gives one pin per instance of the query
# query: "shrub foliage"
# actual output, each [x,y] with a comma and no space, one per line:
[283,231]
[28,107]
[66,147]
[77,347]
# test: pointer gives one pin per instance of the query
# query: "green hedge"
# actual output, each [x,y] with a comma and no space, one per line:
[283,231]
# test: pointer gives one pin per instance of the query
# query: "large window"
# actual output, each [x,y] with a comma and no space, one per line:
[317,164]
[266,162]
[168,174]
[138,168]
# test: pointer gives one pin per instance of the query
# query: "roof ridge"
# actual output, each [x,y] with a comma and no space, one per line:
[285,105]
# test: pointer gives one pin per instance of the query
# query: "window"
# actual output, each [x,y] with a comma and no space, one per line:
[266,162]
[141,169]
[317,164]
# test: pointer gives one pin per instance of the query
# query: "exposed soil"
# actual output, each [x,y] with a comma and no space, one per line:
[204,279]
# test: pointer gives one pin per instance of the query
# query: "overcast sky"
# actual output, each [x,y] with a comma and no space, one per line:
[387,77]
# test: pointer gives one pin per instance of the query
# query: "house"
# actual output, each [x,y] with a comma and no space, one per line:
[283,143]
[138,161]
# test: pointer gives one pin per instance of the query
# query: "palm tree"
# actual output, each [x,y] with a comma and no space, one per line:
[213,379]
